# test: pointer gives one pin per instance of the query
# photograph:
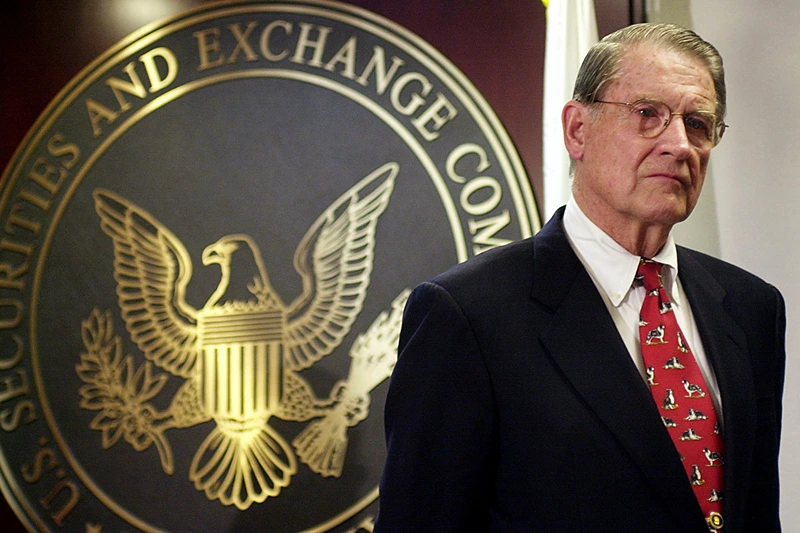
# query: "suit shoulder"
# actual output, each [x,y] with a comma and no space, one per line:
[731,277]
[492,269]
[485,283]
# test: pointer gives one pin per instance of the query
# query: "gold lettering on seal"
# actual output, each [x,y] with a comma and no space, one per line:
[480,195]
[409,90]
[318,45]
[65,493]
[12,387]
[161,69]
[264,47]
[439,113]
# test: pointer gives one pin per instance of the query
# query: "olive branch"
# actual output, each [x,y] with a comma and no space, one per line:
[120,391]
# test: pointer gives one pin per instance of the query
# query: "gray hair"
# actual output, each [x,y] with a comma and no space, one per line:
[600,67]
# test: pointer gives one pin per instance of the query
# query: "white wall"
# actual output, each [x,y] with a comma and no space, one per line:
[750,211]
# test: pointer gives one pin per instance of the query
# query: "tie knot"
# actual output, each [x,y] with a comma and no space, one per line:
[649,273]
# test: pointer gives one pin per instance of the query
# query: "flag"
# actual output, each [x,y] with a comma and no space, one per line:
[571,31]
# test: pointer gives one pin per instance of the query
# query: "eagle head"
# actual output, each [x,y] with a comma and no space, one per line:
[220,252]
[244,277]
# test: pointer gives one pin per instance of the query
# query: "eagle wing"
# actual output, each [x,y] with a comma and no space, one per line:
[335,261]
[152,269]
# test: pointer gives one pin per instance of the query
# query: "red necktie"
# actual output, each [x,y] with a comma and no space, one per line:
[681,394]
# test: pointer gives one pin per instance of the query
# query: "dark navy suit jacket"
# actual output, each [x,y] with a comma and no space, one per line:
[515,406]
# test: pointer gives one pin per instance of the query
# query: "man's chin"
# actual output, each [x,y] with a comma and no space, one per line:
[669,214]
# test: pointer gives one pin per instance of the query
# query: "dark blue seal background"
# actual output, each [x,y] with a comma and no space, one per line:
[258,148]
[263,157]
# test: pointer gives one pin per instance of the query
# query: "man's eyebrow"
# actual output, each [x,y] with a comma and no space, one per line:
[692,110]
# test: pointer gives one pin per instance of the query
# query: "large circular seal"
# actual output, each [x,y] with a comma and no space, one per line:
[207,242]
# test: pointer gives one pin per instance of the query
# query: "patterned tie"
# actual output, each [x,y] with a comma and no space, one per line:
[681,395]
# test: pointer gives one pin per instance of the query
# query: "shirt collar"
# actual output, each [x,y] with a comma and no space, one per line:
[610,265]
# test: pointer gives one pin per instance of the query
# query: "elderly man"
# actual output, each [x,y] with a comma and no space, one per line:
[597,377]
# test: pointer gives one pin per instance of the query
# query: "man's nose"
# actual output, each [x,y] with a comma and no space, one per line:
[675,137]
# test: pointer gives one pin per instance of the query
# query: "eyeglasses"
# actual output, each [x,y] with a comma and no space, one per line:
[652,117]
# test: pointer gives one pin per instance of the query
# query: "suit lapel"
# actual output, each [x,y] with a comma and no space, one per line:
[583,341]
[725,346]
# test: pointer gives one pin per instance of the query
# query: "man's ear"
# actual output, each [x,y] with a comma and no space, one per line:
[574,119]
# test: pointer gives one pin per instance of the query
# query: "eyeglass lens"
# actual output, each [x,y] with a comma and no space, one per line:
[655,116]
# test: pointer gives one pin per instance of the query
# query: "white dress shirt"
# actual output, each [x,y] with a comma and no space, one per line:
[612,269]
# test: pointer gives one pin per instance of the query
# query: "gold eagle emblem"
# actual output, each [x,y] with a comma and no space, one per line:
[240,354]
